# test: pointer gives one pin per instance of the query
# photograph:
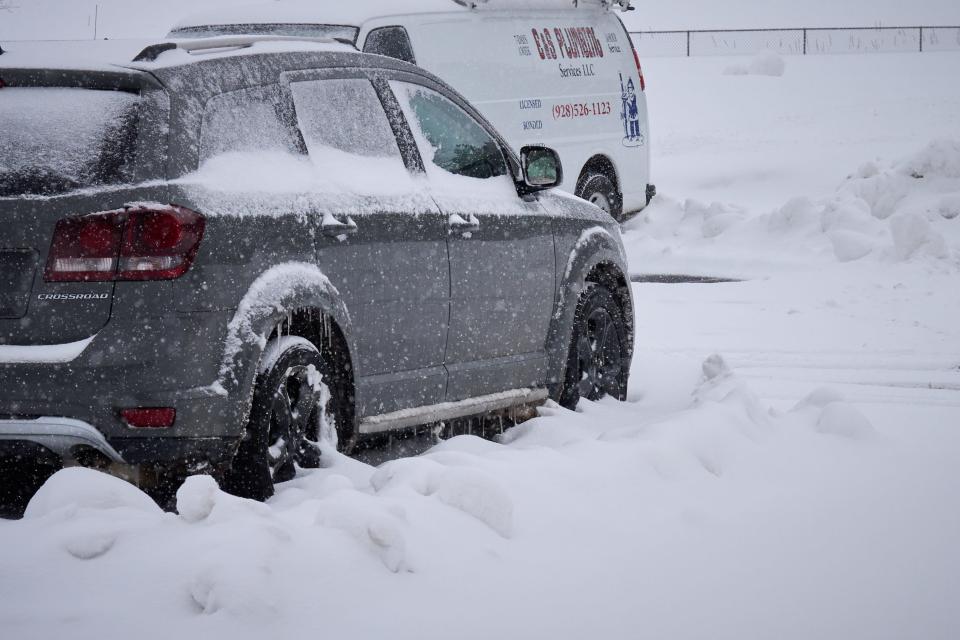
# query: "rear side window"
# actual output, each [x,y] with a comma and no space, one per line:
[348,136]
[344,114]
[56,140]
[246,121]
[393,42]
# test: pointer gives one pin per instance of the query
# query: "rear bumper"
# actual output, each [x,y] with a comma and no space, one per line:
[65,437]
[161,361]
[74,440]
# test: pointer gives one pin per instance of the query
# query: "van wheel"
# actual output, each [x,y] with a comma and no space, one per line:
[598,189]
[292,410]
[598,363]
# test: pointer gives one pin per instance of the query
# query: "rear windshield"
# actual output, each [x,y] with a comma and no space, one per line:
[59,139]
[324,31]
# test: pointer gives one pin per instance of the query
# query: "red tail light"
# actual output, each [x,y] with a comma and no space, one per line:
[84,249]
[144,243]
[159,418]
[159,244]
[636,58]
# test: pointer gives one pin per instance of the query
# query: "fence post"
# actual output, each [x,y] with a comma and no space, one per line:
[804,42]
[688,44]
[921,39]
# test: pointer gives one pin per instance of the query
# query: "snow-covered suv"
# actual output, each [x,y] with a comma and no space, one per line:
[226,250]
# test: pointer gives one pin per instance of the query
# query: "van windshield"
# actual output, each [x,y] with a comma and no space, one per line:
[59,139]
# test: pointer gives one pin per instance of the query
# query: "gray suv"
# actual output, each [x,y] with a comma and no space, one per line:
[224,251]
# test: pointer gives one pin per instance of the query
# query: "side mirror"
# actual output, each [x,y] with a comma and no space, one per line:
[541,167]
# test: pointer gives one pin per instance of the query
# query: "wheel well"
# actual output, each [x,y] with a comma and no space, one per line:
[610,276]
[598,164]
[324,332]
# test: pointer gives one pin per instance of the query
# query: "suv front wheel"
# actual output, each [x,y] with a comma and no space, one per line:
[598,363]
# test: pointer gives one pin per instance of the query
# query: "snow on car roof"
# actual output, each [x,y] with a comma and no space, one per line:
[110,55]
[190,50]
[356,12]
[87,55]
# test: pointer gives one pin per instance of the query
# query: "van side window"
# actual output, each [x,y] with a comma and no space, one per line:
[458,143]
[343,114]
[393,42]
[245,120]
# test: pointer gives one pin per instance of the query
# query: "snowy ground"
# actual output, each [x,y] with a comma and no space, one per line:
[800,484]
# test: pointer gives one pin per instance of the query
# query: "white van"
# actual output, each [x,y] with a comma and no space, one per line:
[562,73]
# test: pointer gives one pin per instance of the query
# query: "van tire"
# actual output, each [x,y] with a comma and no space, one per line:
[599,190]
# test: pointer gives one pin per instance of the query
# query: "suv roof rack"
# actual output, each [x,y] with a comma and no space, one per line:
[152,52]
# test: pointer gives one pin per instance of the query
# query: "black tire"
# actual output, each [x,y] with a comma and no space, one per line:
[293,408]
[598,189]
[598,363]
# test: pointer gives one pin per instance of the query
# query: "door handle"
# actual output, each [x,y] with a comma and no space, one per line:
[335,228]
[458,225]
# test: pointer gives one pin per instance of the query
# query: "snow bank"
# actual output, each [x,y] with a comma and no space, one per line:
[890,213]
[82,489]
[608,506]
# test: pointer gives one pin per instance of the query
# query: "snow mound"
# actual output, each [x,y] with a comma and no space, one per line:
[77,488]
[819,398]
[767,63]
[843,419]
[721,386]
[478,495]
[950,206]
[828,412]
[884,212]
[91,544]
[470,491]
[939,159]
[913,235]
[370,523]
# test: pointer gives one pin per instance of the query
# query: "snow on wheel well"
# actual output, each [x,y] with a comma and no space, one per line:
[321,330]
[282,295]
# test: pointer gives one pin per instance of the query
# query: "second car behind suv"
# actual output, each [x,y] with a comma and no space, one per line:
[224,251]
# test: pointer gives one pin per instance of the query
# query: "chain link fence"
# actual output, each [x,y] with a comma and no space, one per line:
[796,41]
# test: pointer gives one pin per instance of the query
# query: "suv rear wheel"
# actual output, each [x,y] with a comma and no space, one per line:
[293,409]
[598,363]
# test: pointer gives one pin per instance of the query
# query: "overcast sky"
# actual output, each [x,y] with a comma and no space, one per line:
[73,19]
